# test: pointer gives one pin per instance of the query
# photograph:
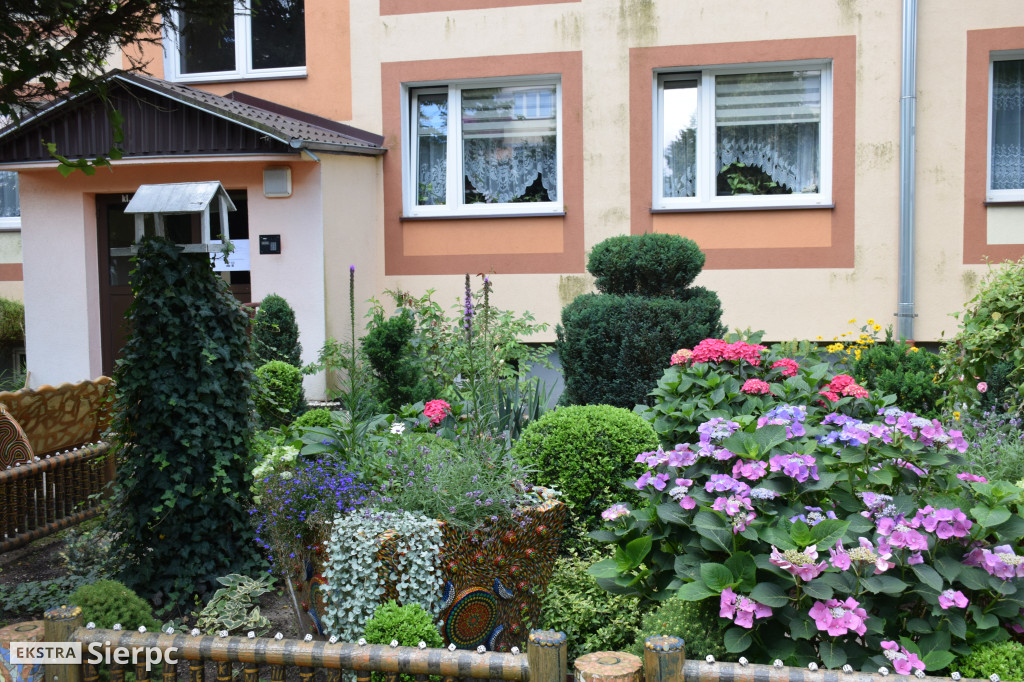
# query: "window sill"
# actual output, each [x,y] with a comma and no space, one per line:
[1004,202]
[722,209]
[482,216]
[233,77]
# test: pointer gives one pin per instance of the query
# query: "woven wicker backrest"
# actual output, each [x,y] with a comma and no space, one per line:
[57,418]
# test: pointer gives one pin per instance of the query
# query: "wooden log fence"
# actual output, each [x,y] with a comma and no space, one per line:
[46,495]
[323,661]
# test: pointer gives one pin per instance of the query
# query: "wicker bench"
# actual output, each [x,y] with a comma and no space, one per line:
[53,461]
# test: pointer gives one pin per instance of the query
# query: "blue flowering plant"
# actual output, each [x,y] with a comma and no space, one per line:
[295,503]
[821,536]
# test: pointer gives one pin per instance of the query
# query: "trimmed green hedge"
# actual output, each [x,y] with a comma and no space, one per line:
[645,264]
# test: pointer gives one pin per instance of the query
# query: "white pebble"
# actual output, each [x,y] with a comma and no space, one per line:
[515,651]
[251,634]
[883,671]
[195,632]
[451,647]
[481,649]
[956,676]
[812,666]
[744,661]
[709,659]
[394,643]
[422,644]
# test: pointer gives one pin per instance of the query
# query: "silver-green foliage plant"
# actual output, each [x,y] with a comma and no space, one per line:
[353,572]
[234,607]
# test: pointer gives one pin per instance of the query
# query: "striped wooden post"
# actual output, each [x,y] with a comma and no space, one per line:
[664,656]
[608,666]
[60,623]
[547,653]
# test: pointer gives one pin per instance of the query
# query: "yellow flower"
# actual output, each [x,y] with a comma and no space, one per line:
[856,354]
[871,321]
[956,415]
[820,339]
[877,327]
[834,348]
[852,321]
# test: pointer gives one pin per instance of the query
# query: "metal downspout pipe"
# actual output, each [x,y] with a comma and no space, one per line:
[908,135]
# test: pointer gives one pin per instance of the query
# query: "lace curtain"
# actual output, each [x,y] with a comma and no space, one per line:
[9,206]
[502,172]
[788,153]
[1008,125]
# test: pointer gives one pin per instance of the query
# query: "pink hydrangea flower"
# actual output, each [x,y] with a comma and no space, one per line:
[903,661]
[800,467]
[842,558]
[716,350]
[952,598]
[436,411]
[839,617]
[999,561]
[843,385]
[742,610]
[945,523]
[680,493]
[749,469]
[982,387]
[902,532]
[756,387]
[681,356]
[971,478]
[801,564]
[788,365]
[658,481]
[615,511]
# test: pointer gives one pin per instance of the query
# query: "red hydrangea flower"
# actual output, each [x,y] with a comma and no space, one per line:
[756,387]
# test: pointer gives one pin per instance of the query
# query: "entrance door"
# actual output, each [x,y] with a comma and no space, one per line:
[114,230]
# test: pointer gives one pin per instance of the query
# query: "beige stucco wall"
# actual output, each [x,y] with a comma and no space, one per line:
[786,303]
[60,271]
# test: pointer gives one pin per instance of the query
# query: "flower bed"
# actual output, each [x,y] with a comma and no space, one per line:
[827,524]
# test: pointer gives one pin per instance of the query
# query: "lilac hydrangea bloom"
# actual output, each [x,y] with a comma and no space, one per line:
[902,532]
[716,430]
[999,561]
[658,481]
[799,467]
[803,565]
[749,469]
[680,493]
[945,523]
[742,610]
[903,661]
[615,511]
[839,617]
[813,517]
[952,598]
[790,416]
[723,483]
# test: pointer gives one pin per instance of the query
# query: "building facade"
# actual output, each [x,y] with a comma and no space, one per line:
[519,133]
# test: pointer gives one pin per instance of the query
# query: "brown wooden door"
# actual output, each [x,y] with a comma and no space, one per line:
[115,229]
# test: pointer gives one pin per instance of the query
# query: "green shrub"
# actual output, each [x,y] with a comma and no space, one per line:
[12,321]
[614,348]
[182,424]
[388,348]
[614,345]
[320,417]
[998,380]
[275,335]
[585,451]
[278,393]
[991,332]
[107,602]
[902,370]
[592,619]
[696,622]
[645,265]
[409,625]
[1005,659]
[88,554]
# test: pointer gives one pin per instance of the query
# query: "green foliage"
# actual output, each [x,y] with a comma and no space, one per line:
[321,417]
[33,597]
[902,370]
[584,451]
[234,607]
[408,625]
[88,554]
[182,425]
[645,265]
[12,321]
[613,348]
[591,619]
[998,380]
[388,348]
[275,335]
[107,602]
[278,393]
[355,584]
[696,622]
[1005,659]
[991,331]
[996,448]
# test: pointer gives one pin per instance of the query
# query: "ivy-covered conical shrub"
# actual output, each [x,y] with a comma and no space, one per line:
[182,427]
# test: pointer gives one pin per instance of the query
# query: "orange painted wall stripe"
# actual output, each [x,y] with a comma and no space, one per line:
[417,6]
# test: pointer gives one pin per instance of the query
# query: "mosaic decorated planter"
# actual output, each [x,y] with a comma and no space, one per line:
[491,581]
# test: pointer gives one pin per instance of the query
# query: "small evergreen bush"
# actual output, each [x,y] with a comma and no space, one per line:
[278,393]
[408,625]
[12,321]
[902,370]
[614,348]
[1005,659]
[697,623]
[320,418]
[88,555]
[613,345]
[585,451]
[107,602]
[388,348]
[275,335]
[646,265]
[592,619]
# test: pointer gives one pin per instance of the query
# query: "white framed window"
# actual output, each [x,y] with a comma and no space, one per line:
[751,136]
[1006,127]
[250,39]
[501,154]
[10,208]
